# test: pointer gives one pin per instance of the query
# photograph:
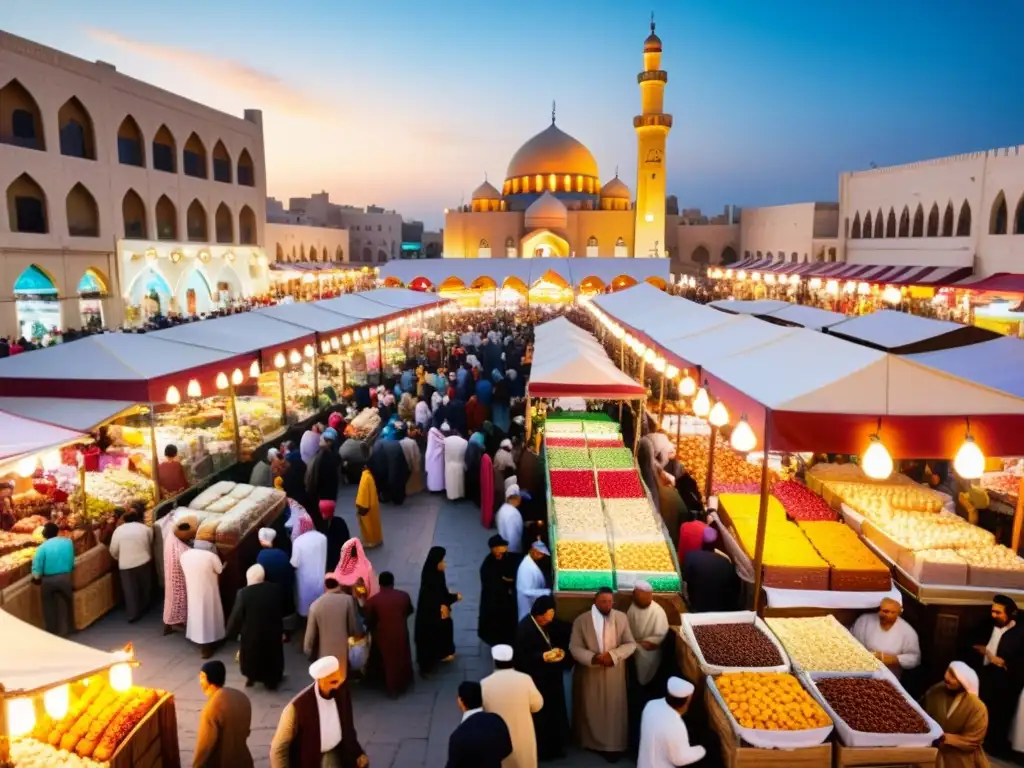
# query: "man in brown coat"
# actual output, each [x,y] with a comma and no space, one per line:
[333,619]
[223,724]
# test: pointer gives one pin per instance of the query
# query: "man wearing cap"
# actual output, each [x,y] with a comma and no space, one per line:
[497,622]
[333,620]
[530,581]
[510,520]
[256,617]
[316,729]
[201,567]
[277,569]
[664,740]
[649,625]
[891,639]
[514,696]
[482,739]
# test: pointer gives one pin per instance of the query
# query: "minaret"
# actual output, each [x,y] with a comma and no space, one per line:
[652,126]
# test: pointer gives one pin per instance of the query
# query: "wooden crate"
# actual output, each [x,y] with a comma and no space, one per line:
[687,661]
[95,601]
[153,743]
[736,755]
[91,566]
[24,600]
[877,757]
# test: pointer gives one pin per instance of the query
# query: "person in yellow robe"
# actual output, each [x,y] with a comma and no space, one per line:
[368,511]
[955,706]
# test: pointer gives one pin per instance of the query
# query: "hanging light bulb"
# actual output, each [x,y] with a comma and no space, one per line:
[26,467]
[346,339]
[237,377]
[718,416]
[814,283]
[702,403]
[21,717]
[307,368]
[335,345]
[671,371]
[222,380]
[194,390]
[969,461]
[891,295]
[659,364]
[56,701]
[51,460]
[254,370]
[173,396]
[743,438]
[325,347]
[687,385]
[121,677]
[294,357]
[309,351]
[649,355]
[876,461]
[279,360]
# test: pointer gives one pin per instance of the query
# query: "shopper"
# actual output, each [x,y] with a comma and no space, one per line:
[51,569]
[224,723]
[132,546]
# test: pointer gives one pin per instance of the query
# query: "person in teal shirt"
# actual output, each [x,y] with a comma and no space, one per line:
[51,569]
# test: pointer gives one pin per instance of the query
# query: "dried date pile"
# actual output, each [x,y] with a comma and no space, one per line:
[736,645]
[871,706]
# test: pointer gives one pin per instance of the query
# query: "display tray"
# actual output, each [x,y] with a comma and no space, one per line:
[867,580]
[153,743]
[812,577]
[876,757]
[691,620]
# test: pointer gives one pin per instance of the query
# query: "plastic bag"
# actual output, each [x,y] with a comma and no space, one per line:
[358,654]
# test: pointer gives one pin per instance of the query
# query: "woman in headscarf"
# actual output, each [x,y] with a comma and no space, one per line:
[955,706]
[476,414]
[407,408]
[414,460]
[435,638]
[504,462]
[355,571]
[322,477]
[256,616]
[421,413]
[492,437]
[434,460]
[516,384]
[294,483]
[474,452]
[390,470]
[368,510]
[538,655]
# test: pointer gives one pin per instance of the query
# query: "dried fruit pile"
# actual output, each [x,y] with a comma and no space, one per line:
[871,706]
[822,644]
[770,701]
[612,458]
[583,555]
[572,482]
[619,484]
[736,645]
[644,557]
[568,458]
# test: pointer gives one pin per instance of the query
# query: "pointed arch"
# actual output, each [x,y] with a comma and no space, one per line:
[93,282]
[868,231]
[339,253]
[35,280]
[246,226]
[133,213]
[904,230]
[166,219]
[368,254]
[963,221]
[313,254]
[933,221]
[1018,217]
[196,226]
[302,252]
[77,137]
[246,170]
[224,224]
[221,163]
[279,253]
[998,220]
[165,151]
[947,220]
[879,225]
[855,229]
[193,157]
[21,121]
[918,229]
[146,282]
[729,255]
[700,256]
[131,149]
[82,212]
[26,206]
[890,224]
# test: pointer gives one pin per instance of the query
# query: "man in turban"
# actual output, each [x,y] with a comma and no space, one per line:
[498,616]
[278,570]
[954,704]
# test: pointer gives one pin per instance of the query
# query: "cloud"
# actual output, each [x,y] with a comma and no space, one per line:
[268,90]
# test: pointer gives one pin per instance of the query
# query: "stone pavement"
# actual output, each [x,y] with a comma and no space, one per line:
[411,732]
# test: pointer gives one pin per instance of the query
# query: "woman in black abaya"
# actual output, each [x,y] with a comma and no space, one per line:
[435,637]
[537,653]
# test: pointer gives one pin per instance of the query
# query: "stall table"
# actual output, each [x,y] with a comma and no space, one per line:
[882,757]
[153,743]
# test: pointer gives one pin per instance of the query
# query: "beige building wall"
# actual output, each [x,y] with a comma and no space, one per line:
[778,232]
[104,99]
[289,243]
[698,246]
[374,237]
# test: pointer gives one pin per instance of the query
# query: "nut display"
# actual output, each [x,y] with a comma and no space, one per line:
[822,644]
[999,557]
[583,555]
[643,556]
[572,482]
[631,518]
[620,484]
[575,517]
[568,458]
[871,706]
[730,466]
[770,701]
[612,458]
[736,645]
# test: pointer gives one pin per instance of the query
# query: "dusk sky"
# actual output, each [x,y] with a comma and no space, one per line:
[407,104]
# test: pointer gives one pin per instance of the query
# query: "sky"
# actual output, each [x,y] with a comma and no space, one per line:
[409,104]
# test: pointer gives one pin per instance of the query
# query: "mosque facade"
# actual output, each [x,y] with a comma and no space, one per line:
[552,203]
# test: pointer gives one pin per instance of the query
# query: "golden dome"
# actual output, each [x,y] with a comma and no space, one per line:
[653,43]
[547,211]
[486,191]
[552,151]
[615,189]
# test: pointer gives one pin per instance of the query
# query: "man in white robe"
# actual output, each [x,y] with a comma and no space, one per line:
[434,460]
[649,625]
[530,581]
[205,623]
[893,641]
[454,465]
[510,520]
[309,559]
[664,740]
[514,696]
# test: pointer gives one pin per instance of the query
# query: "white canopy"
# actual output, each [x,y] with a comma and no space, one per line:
[310,315]
[994,364]
[33,659]
[738,334]
[357,305]
[402,298]
[749,307]
[19,436]
[895,331]
[81,415]
[809,317]
[246,332]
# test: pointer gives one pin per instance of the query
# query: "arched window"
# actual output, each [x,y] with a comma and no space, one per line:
[195,223]
[166,219]
[700,256]
[26,206]
[867,226]
[313,254]
[963,222]
[130,147]
[133,212]
[947,221]
[620,243]
[21,122]
[1018,218]
[221,163]
[246,171]
[76,134]
[194,158]
[1000,214]
[904,223]
[339,253]
[771,256]
[918,229]
[879,226]
[224,224]
[367,254]
[302,252]
[293,253]
[794,257]
[83,214]
[484,244]
[279,254]
[728,255]
[890,224]
[592,241]
[758,254]
[933,221]
[164,151]
[855,229]
[247,226]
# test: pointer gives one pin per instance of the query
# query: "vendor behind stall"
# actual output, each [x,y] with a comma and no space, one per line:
[170,473]
[890,638]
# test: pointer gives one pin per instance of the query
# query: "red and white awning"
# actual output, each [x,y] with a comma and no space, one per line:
[866,273]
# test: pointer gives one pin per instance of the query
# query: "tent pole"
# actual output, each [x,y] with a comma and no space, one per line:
[622,367]
[153,458]
[284,408]
[1018,518]
[529,420]
[762,518]
[380,359]
[679,419]
[638,427]
[234,419]
[344,374]
[711,464]
[661,402]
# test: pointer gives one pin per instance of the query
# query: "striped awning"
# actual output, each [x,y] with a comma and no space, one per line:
[866,273]
[308,266]
[1000,282]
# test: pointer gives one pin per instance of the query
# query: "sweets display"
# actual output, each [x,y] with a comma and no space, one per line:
[583,555]
[632,519]
[571,482]
[854,567]
[231,510]
[568,458]
[576,517]
[770,701]
[870,705]
[565,442]
[645,556]
[801,503]
[822,644]
[612,458]
[730,466]
[619,484]
[736,645]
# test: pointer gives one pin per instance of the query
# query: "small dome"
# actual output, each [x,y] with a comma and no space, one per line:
[546,211]
[552,151]
[615,189]
[486,191]
[653,43]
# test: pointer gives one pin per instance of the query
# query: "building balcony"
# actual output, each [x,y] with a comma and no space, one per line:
[652,74]
[648,121]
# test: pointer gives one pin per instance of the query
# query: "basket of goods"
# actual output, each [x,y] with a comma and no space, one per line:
[771,710]
[822,644]
[15,566]
[733,642]
[854,567]
[873,711]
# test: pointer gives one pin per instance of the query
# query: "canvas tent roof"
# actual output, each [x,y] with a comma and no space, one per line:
[81,415]
[902,333]
[357,305]
[311,316]
[403,298]
[808,317]
[754,307]
[19,436]
[246,332]
[994,364]
[737,334]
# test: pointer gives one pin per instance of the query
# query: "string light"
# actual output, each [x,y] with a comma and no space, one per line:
[279,360]
[702,403]
[194,390]
[743,438]
[173,396]
[237,377]
[876,461]
[687,385]
[254,370]
[718,416]
[222,380]
[294,357]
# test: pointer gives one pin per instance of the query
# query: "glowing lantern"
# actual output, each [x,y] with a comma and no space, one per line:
[755,276]
[969,461]
[279,360]
[21,717]
[237,377]
[769,279]
[57,701]
[814,283]
[346,339]
[876,461]
[27,466]
[659,364]
[832,287]
[173,396]
[671,371]
[307,368]
[892,295]
[702,403]
[863,289]
[743,438]
[121,677]
[309,351]
[294,357]
[51,460]
[649,355]
[254,370]
[325,347]
[194,390]
[718,416]
[335,344]
[222,380]
[741,275]
[687,385]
